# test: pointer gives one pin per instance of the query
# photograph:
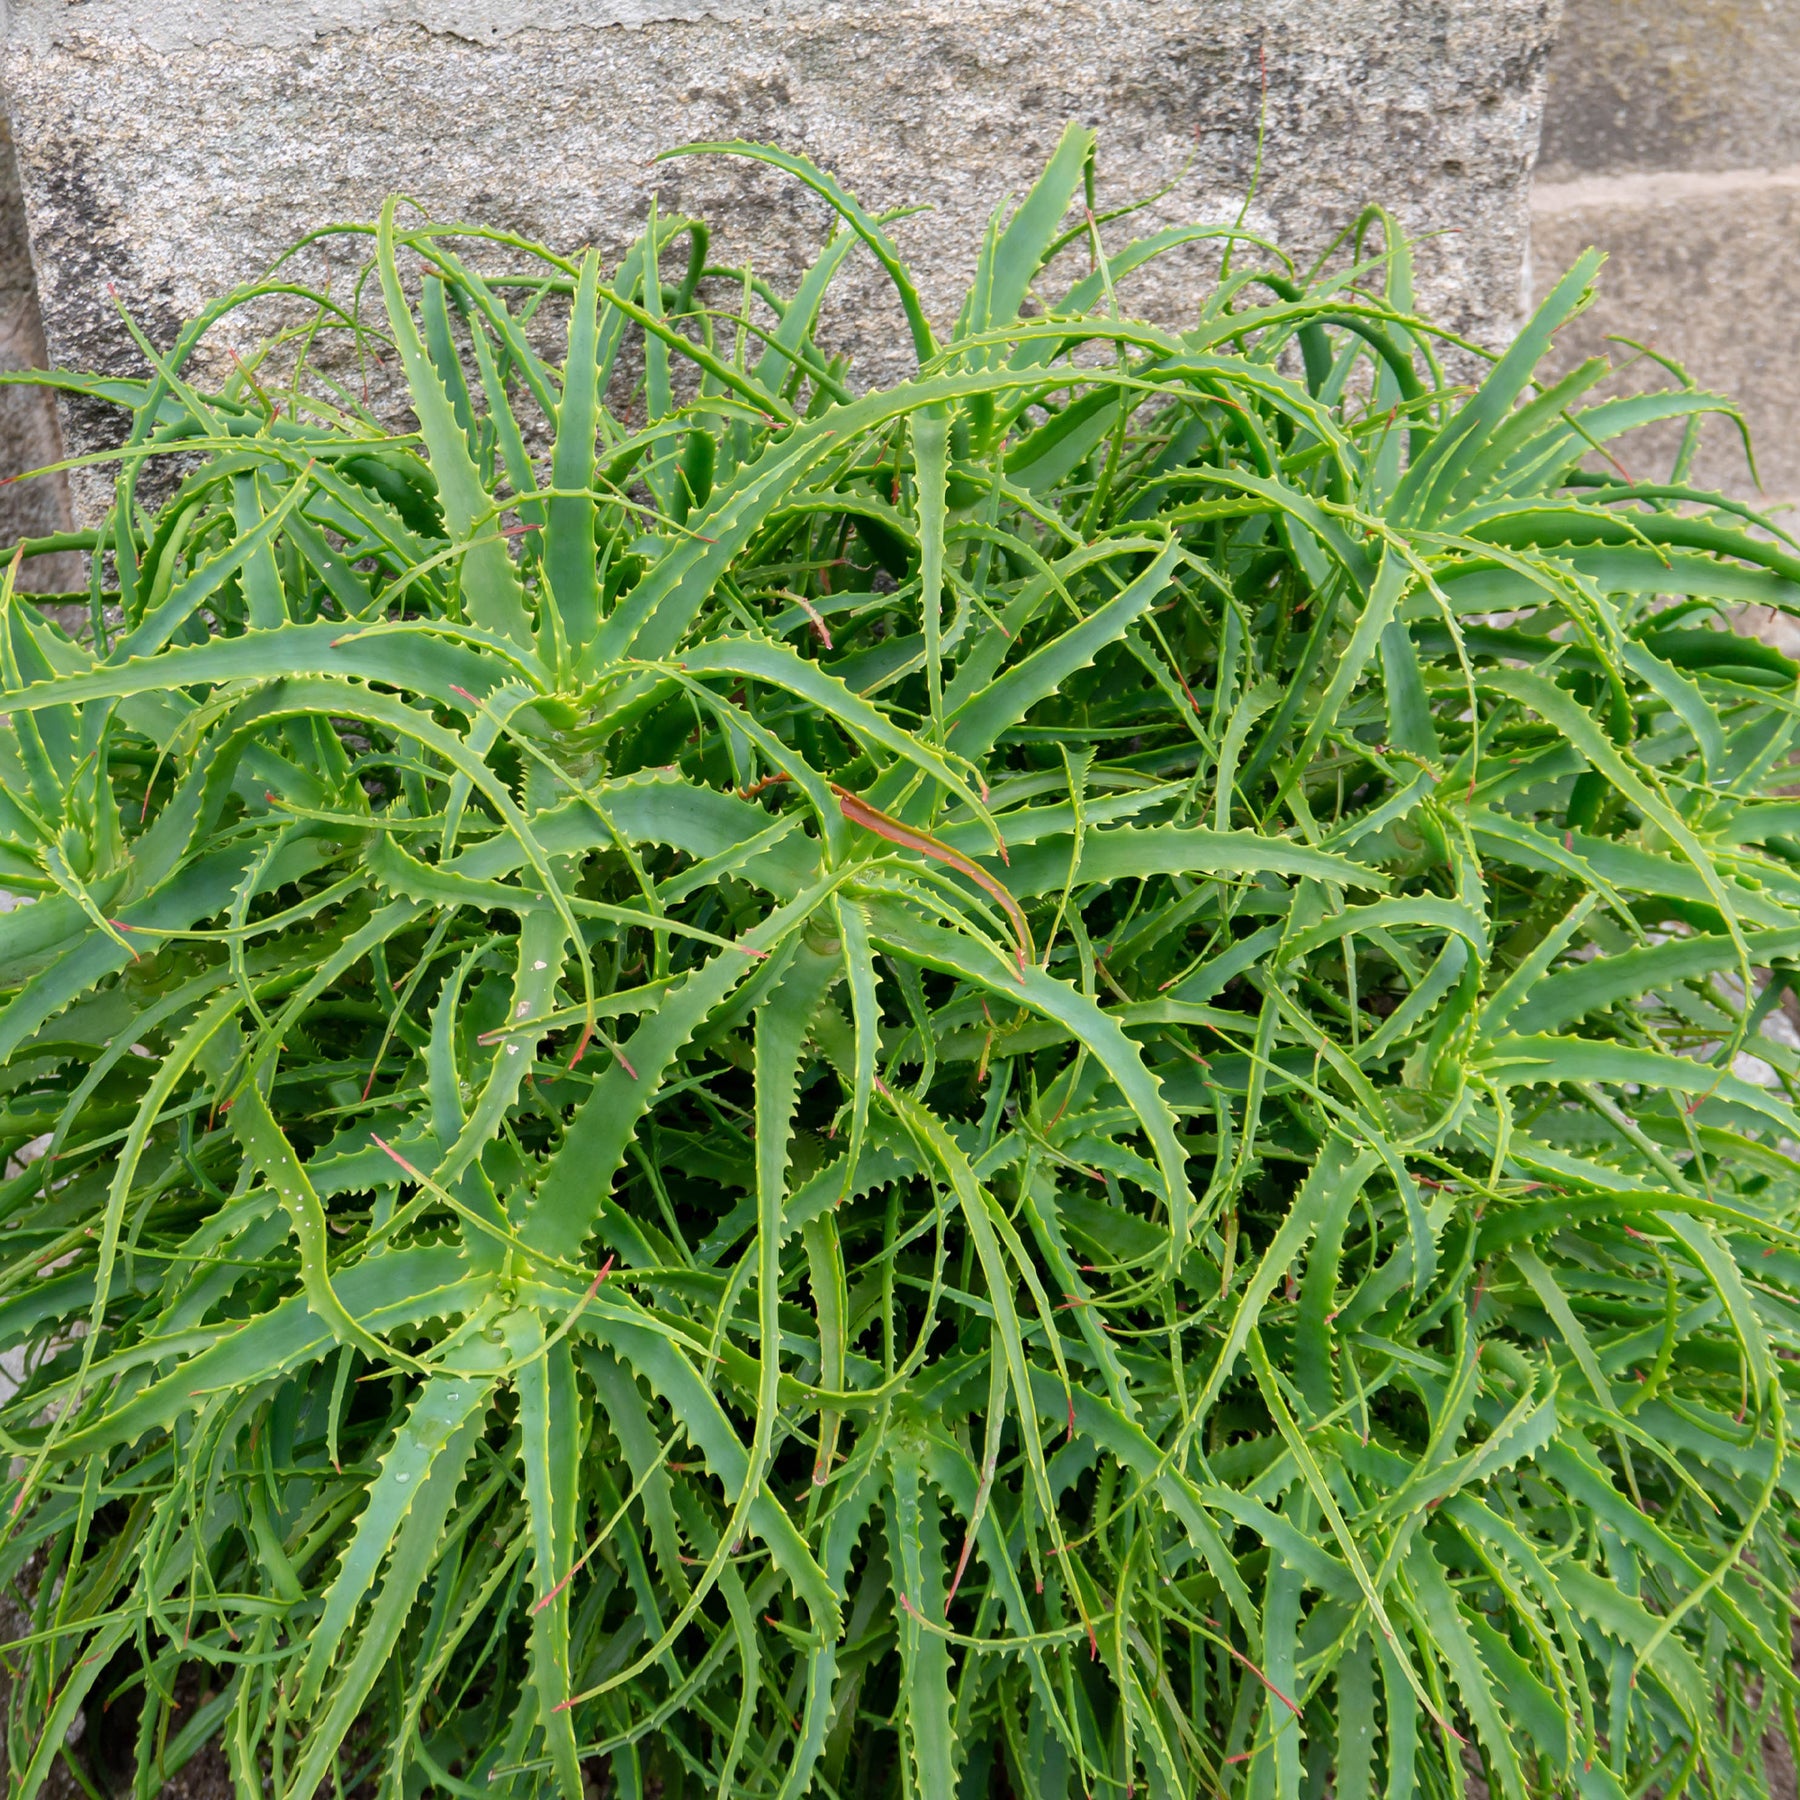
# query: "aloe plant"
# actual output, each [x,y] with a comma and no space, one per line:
[1028,1084]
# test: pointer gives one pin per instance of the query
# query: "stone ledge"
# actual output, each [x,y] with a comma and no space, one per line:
[1662,187]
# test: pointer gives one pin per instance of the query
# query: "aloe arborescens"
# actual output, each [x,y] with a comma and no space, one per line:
[1024,1084]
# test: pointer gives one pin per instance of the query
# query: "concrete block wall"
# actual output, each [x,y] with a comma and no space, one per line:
[169,148]
[1671,140]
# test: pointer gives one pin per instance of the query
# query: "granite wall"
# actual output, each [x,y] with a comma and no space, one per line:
[169,148]
[29,435]
[1672,141]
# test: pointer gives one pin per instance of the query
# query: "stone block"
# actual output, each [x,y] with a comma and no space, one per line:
[1674,84]
[170,148]
[29,438]
[1700,267]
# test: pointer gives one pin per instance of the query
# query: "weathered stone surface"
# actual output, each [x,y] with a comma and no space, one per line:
[1702,270]
[28,432]
[195,24]
[171,164]
[1672,141]
[1681,84]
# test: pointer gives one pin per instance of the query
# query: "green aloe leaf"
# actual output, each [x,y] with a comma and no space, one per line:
[1075,1077]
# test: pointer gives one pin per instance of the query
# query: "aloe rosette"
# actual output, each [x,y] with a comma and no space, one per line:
[1031,1083]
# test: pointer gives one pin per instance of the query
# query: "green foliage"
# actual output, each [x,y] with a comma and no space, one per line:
[1027,1084]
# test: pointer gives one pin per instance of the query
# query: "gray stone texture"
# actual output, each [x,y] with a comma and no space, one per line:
[196,24]
[1638,86]
[172,168]
[1710,278]
[1672,141]
[29,438]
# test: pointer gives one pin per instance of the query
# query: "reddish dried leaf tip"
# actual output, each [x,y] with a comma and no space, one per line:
[962,1562]
[896,831]
[818,620]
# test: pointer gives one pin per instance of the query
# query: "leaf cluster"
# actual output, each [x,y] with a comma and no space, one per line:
[1033,1083]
